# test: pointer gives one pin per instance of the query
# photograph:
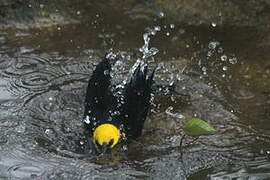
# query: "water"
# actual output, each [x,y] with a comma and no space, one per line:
[220,75]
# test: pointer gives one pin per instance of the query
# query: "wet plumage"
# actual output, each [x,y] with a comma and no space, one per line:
[106,123]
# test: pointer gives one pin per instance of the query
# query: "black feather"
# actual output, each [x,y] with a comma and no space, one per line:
[100,102]
[137,101]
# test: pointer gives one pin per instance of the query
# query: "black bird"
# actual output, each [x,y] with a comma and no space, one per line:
[109,119]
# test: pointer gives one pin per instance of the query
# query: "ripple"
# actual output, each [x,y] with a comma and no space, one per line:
[25,170]
[18,164]
[25,64]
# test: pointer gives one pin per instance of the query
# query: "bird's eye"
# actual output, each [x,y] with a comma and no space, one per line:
[111,143]
[97,144]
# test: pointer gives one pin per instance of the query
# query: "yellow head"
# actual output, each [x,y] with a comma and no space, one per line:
[106,134]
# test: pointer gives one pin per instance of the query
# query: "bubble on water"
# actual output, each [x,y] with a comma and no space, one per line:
[41,6]
[223,58]
[204,69]
[58,28]
[224,68]
[167,34]
[50,98]
[81,142]
[223,75]
[78,12]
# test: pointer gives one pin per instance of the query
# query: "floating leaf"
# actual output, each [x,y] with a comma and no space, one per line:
[197,127]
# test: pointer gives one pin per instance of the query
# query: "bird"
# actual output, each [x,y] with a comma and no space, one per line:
[110,119]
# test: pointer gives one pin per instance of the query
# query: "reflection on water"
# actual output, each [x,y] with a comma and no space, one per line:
[43,79]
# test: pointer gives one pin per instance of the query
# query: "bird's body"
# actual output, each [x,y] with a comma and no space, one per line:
[108,118]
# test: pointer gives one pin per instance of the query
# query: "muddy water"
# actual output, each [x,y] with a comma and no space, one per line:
[220,74]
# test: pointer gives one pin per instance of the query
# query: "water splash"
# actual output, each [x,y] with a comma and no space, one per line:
[145,48]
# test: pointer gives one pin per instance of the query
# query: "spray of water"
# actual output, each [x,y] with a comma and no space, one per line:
[149,52]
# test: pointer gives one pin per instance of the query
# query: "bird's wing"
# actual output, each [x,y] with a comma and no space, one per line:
[137,97]
[98,97]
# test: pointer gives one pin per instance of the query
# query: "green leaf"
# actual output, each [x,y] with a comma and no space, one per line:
[197,127]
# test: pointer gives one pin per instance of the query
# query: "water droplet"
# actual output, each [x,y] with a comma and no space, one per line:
[220,50]
[20,129]
[161,14]
[50,98]
[213,44]
[224,68]
[213,24]
[233,60]
[223,75]
[167,34]
[81,143]
[47,131]
[172,26]
[145,48]
[87,120]
[223,58]
[106,72]
[124,148]
[157,28]
[204,69]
